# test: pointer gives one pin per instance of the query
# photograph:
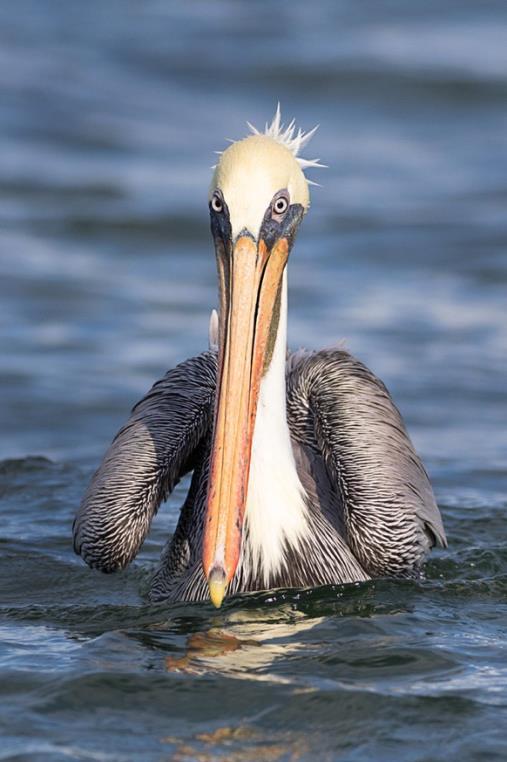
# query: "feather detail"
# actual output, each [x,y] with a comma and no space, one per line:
[293,139]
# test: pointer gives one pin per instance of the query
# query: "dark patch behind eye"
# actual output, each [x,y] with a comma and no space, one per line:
[272,229]
[220,222]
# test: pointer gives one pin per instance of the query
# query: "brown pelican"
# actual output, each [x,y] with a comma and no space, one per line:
[303,472]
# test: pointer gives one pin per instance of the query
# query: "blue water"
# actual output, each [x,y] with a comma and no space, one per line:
[109,116]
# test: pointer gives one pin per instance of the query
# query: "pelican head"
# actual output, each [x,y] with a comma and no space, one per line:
[258,197]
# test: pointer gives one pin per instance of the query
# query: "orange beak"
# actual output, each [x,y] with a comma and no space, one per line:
[250,280]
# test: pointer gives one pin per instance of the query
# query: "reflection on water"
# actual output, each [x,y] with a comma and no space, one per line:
[205,646]
[110,114]
[241,744]
[245,649]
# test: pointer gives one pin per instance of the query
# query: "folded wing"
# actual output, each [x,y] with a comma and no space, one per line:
[344,412]
[146,459]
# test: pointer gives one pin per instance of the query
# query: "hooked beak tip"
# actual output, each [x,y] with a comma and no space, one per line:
[217,584]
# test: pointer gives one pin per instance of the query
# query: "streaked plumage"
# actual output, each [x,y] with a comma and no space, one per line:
[370,500]
[332,471]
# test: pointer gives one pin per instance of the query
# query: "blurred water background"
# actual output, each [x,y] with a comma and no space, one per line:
[109,116]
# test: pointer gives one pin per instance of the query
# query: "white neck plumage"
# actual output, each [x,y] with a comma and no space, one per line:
[276,512]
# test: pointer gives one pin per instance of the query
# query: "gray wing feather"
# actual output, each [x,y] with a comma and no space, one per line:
[143,464]
[346,413]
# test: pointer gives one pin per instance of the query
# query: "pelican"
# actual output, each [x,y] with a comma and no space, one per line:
[303,473]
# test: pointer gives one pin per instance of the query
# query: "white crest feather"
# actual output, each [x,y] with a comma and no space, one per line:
[290,138]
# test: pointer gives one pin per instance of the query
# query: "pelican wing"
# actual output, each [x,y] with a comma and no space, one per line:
[345,414]
[146,459]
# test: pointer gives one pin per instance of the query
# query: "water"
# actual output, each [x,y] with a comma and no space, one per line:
[110,113]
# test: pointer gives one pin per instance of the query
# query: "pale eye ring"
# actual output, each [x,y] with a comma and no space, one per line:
[216,203]
[280,205]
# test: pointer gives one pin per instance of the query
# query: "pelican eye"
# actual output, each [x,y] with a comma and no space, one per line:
[280,206]
[216,203]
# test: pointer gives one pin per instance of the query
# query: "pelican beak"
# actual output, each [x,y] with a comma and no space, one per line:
[250,278]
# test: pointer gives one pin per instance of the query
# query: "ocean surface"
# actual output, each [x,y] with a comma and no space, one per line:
[109,116]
